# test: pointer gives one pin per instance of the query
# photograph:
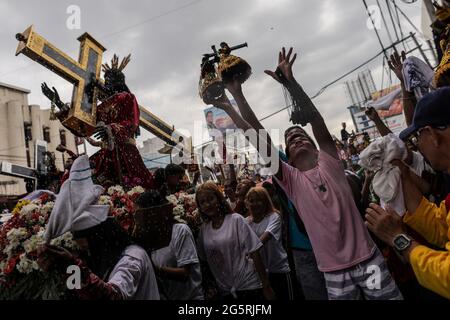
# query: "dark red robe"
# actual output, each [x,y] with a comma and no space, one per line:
[122,165]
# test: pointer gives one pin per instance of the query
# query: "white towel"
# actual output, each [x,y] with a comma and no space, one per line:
[385,102]
[418,76]
[377,157]
[74,209]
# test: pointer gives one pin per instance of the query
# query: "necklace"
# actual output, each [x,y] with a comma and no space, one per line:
[321,186]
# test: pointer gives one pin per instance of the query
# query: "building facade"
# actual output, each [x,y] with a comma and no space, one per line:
[21,125]
[151,156]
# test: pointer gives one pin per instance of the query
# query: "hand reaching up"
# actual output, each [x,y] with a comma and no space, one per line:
[396,64]
[372,114]
[283,74]
[222,103]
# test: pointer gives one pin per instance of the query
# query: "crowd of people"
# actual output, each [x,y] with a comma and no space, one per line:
[322,227]
[338,220]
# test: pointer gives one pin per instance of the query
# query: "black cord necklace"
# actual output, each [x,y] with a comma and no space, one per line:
[321,186]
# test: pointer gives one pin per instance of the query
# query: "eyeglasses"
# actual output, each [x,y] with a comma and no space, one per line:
[413,140]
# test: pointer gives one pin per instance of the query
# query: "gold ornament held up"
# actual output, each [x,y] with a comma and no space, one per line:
[210,84]
[219,67]
[231,66]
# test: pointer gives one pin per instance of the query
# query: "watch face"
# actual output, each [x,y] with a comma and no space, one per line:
[401,242]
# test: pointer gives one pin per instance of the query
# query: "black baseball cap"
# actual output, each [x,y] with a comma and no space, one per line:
[432,110]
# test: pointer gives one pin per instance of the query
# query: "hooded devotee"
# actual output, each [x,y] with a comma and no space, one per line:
[115,268]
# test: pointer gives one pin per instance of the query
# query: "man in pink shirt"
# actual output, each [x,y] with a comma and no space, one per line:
[315,182]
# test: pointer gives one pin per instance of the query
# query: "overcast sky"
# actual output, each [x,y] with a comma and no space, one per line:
[168,37]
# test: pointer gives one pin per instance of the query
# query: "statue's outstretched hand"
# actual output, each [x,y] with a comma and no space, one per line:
[101,132]
[52,95]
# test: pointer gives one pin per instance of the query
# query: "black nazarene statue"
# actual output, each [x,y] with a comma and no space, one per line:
[118,161]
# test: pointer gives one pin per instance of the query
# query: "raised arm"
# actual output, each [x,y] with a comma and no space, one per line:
[373,115]
[408,98]
[284,75]
[263,138]
[235,88]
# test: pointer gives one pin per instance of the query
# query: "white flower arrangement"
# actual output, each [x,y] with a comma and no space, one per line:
[48,207]
[66,240]
[26,265]
[16,234]
[116,189]
[34,242]
[105,200]
[183,204]
[10,248]
[29,209]
[137,189]
[178,210]
[172,199]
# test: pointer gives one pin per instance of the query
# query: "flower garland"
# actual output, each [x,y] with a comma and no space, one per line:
[122,204]
[185,209]
[23,234]
[20,237]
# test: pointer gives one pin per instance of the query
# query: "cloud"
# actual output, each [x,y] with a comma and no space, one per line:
[167,40]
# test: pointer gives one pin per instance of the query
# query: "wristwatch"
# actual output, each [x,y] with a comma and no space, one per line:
[401,242]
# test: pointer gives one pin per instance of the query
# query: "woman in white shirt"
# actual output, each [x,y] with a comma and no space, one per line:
[231,249]
[266,222]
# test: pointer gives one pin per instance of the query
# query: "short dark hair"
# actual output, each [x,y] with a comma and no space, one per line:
[106,241]
[160,176]
[173,170]
[150,199]
[209,112]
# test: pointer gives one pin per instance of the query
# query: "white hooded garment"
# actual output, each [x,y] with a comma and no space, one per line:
[74,209]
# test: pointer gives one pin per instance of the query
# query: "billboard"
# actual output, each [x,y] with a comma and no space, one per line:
[217,120]
[389,106]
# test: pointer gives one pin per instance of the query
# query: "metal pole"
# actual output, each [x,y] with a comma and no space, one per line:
[430,9]
[424,56]
[433,51]
[375,29]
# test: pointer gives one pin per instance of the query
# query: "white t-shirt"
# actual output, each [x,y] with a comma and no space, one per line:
[180,252]
[274,256]
[134,276]
[226,250]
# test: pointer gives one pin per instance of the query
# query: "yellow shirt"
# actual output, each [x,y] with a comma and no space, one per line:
[432,267]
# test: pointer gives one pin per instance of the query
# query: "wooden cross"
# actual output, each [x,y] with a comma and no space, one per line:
[82,115]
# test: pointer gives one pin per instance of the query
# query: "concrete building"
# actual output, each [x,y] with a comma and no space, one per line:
[21,125]
[153,159]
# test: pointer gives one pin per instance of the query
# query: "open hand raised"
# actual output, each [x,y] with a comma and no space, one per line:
[396,64]
[283,74]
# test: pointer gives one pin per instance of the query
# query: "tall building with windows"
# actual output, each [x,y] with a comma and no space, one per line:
[21,125]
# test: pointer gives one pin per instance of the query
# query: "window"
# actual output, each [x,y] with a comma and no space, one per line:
[62,136]
[28,138]
[47,134]
[28,134]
